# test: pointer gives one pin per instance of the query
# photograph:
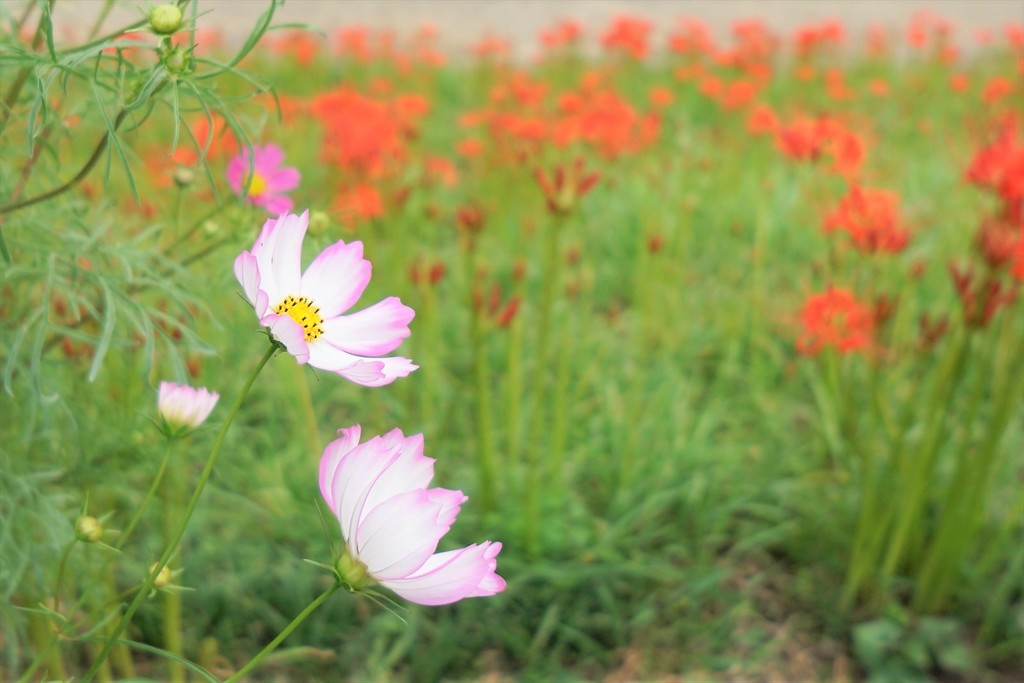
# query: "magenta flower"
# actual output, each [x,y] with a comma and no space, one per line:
[183,408]
[392,522]
[303,310]
[268,180]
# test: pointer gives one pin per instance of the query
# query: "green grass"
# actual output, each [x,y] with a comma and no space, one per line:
[696,514]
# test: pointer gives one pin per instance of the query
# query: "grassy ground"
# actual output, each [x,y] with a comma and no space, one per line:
[681,492]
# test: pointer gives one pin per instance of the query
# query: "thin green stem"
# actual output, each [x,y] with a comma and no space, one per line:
[149,496]
[211,461]
[58,585]
[272,645]
[101,146]
[174,492]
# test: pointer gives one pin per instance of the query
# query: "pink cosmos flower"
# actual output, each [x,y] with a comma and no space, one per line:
[303,310]
[268,179]
[184,408]
[392,522]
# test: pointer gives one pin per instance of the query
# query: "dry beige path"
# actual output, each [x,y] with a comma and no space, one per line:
[462,22]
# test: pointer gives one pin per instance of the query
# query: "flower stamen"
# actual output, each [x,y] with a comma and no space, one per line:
[302,311]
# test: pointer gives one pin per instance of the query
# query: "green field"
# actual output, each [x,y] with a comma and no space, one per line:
[722,339]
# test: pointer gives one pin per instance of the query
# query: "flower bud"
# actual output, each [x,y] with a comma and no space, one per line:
[88,529]
[163,578]
[318,223]
[165,19]
[178,61]
[183,408]
[183,177]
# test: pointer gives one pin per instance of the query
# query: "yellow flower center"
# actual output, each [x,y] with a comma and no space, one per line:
[257,185]
[301,310]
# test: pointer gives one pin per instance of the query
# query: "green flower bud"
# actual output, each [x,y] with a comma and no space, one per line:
[165,19]
[183,177]
[163,578]
[178,61]
[318,223]
[88,529]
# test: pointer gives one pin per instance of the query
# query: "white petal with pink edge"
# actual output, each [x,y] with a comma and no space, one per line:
[372,331]
[336,278]
[451,576]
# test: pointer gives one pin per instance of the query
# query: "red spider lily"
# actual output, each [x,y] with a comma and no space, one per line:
[628,35]
[997,89]
[363,134]
[566,186]
[807,139]
[1000,167]
[1001,242]
[815,38]
[693,37]
[492,48]
[427,274]
[354,41]
[358,204]
[980,296]
[762,120]
[491,305]
[871,218]
[563,35]
[605,121]
[440,171]
[835,319]
[469,148]
[302,45]
[470,220]
[660,97]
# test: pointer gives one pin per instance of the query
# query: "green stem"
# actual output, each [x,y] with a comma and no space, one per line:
[211,460]
[172,600]
[149,496]
[60,574]
[272,645]
[549,281]
[920,473]
[79,177]
[485,441]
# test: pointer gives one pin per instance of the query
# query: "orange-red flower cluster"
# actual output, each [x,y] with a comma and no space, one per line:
[628,35]
[835,319]
[872,219]
[808,139]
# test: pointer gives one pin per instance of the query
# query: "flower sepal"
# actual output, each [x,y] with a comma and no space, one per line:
[352,573]
[165,581]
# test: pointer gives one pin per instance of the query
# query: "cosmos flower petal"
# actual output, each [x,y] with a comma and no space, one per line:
[383,371]
[285,260]
[247,273]
[275,203]
[411,469]
[335,451]
[268,156]
[392,524]
[289,333]
[283,180]
[396,537]
[451,576]
[372,331]
[336,278]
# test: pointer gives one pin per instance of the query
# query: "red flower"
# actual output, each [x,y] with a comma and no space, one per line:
[835,319]
[871,218]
